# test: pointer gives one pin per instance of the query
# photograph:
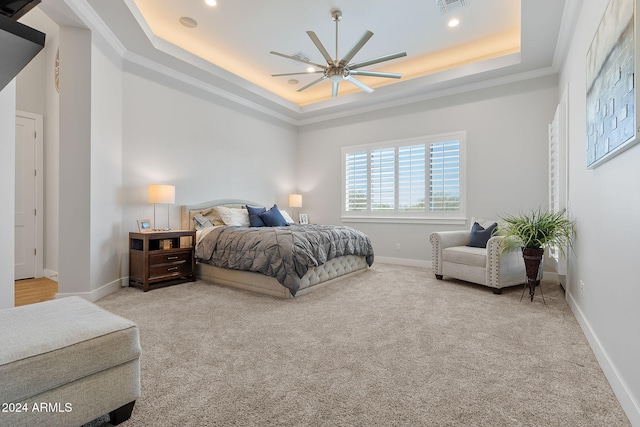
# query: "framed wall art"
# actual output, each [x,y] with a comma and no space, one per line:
[612,124]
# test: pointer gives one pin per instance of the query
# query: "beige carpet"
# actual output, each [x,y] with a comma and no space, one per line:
[390,347]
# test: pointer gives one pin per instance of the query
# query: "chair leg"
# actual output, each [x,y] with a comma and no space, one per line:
[497,291]
[439,276]
[121,414]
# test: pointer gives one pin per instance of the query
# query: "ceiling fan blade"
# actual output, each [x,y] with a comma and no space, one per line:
[320,47]
[297,74]
[334,88]
[312,83]
[294,58]
[356,48]
[377,60]
[358,83]
[375,74]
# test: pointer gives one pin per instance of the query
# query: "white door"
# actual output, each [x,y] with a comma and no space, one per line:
[26,241]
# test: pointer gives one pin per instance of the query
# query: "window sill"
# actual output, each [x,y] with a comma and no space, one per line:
[404,220]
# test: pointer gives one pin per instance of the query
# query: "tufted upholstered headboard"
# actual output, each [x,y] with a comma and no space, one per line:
[189,211]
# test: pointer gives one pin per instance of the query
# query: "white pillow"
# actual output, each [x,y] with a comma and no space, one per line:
[286,217]
[234,216]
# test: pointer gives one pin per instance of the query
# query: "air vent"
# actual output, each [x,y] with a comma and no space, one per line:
[448,5]
[300,55]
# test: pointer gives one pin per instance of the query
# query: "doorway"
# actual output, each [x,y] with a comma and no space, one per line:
[29,196]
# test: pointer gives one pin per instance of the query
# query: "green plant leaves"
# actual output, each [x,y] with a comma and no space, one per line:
[537,229]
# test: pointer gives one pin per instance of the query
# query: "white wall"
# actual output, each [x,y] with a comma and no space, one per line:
[7,192]
[207,149]
[75,161]
[507,128]
[107,243]
[606,205]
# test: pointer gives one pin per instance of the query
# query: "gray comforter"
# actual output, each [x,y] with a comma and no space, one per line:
[285,253]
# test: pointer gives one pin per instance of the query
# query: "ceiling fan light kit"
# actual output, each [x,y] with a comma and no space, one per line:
[337,69]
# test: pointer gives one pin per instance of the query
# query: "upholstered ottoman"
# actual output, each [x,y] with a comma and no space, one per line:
[66,362]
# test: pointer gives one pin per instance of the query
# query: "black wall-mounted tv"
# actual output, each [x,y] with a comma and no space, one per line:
[14,9]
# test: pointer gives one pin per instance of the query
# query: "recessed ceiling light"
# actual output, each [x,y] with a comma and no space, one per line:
[310,70]
[210,2]
[188,22]
[454,22]
[293,81]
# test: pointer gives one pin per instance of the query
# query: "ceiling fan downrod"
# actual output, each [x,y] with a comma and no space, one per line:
[336,15]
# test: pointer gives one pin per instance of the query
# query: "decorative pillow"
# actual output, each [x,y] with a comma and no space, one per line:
[273,217]
[214,216]
[234,216]
[480,236]
[201,222]
[254,216]
[287,217]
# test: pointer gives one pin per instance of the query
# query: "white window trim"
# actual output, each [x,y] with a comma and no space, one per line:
[450,218]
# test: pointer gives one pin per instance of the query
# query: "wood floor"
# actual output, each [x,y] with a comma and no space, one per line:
[29,291]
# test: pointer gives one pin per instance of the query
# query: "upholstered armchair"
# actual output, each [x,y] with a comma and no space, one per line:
[451,257]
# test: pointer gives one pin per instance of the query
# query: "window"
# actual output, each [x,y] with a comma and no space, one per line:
[415,179]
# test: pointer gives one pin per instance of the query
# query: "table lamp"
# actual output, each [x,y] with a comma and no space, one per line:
[295,201]
[159,193]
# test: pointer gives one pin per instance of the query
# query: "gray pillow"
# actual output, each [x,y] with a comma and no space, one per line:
[201,222]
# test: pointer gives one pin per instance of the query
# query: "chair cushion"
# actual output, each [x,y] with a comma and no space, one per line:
[466,255]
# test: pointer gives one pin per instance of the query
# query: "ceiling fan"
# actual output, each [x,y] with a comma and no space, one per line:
[336,69]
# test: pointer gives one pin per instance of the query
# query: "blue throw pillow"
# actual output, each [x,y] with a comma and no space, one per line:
[273,217]
[480,236]
[254,216]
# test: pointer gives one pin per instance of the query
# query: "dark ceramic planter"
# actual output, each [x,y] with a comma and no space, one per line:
[532,259]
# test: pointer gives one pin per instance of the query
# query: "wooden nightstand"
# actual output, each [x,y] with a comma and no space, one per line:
[161,258]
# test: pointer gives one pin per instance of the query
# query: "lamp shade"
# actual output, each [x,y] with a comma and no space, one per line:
[159,193]
[295,200]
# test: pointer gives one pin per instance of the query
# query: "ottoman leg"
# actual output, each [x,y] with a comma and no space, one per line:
[121,414]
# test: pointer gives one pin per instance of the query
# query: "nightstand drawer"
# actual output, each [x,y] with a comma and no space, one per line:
[169,258]
[168,270]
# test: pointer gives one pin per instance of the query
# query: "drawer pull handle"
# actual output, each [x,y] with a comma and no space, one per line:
[172,257]
[172,268]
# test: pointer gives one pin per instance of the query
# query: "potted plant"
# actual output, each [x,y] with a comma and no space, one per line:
[533,233]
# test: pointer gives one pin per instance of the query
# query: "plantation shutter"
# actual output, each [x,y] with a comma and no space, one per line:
[554,174]
[411,178]
[356,185]
[382,179]
[444,174]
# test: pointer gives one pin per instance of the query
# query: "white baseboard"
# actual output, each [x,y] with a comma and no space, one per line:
[50,274]
[630,407]
[403,261]
[96,294]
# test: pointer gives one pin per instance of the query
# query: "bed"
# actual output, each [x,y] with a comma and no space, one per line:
[318,270]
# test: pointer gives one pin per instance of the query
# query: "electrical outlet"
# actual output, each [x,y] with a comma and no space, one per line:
[581,288]
[397,246]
